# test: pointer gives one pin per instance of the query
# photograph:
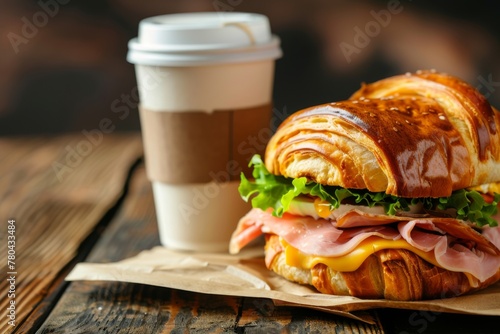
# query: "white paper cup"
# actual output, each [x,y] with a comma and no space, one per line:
[192,63]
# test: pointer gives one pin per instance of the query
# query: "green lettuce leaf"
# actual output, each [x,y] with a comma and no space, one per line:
[277,192]
[471,206]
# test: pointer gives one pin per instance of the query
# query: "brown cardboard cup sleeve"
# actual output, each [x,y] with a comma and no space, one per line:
[199,147]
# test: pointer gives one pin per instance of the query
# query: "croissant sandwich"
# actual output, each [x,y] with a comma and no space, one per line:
[393,193]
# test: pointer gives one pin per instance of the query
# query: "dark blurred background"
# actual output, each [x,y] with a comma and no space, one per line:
[63,63]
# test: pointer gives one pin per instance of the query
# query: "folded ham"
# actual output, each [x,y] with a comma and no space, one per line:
[449,240]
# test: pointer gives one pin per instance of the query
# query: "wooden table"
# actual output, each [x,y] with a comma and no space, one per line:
[70,199]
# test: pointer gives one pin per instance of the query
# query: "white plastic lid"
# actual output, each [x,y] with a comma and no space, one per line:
[193,39]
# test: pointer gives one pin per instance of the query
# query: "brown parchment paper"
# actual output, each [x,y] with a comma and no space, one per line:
[245,275]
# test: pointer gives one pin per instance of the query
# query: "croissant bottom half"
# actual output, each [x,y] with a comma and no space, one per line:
[394,274]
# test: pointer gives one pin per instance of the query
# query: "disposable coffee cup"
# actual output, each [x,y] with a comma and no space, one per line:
[205,86]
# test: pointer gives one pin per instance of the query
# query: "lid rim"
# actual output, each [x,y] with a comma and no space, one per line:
[176,60]
[134,44]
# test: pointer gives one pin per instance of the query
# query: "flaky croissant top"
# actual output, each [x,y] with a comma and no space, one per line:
[414,135]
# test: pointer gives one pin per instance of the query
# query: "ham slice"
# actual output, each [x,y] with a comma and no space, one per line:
[311,236]
[448,253]
[454,227]
[456,245]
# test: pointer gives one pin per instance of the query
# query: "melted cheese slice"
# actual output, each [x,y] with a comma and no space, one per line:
[354,259]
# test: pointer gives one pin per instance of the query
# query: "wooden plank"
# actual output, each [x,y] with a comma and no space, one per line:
[96,307]
[261,316]
[57,190]
[434,322]
[91,306]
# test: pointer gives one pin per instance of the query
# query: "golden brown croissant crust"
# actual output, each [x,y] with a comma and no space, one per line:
[413,135]
[394,274]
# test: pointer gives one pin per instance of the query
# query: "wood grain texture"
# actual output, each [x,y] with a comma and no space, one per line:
[57,190]
[105,307]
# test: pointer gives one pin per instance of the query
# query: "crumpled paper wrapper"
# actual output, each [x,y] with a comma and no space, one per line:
[245,275]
